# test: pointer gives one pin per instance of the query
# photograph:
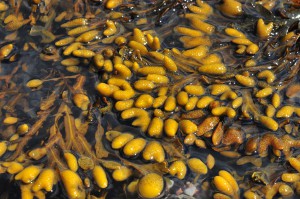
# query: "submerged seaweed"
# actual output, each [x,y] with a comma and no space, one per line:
[149,99]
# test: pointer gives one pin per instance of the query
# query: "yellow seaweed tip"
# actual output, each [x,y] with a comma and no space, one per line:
[154,151]
[151,185]
[264,30]
[10,120]
[135,146]
[45,181]
[178,168]
[170,127]
[73,184]
[155,128]
[121,174]
[28,174]
[112,4]
[223,185]
[231,8]
[100,177]
[13,167]
[188,127]
[3,148]
[71,161]
[197,166]
[121,140]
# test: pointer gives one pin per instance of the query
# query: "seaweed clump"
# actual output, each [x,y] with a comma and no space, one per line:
[127,95]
